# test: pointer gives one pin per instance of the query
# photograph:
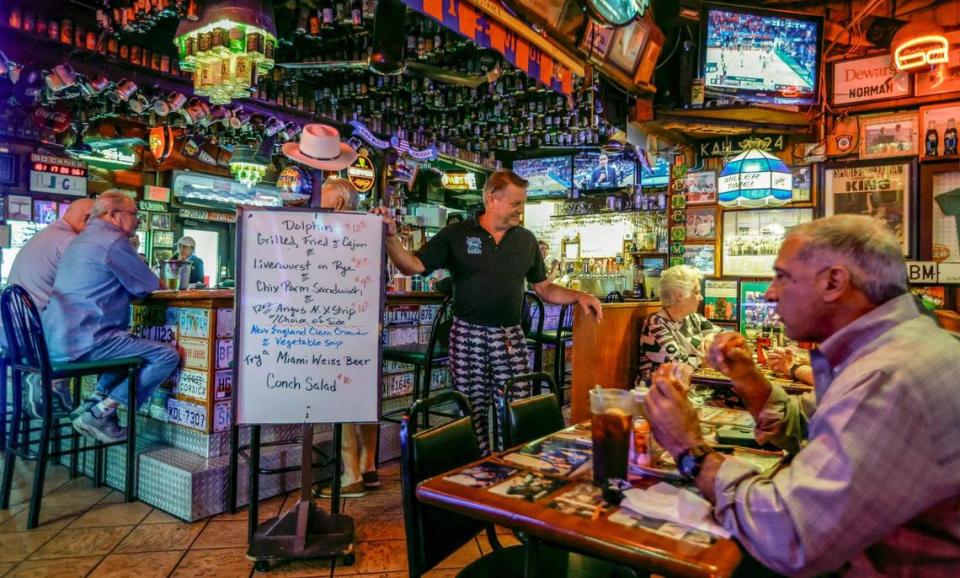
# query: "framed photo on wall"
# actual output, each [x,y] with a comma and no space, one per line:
[653,265]
[888,135]
[627,45]
[161,222]
[700,188]
[721,299]
[701,223]
[45,211]
[757,315]
[883,190]
[163,238]
[19,208]
[702,257]
[597,39]
[938,131]
[945,208]
[751,239]
[802,184]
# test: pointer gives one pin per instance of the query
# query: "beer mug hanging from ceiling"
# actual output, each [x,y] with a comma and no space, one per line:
[228,49]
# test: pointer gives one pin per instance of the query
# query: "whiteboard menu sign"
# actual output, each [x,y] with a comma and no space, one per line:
[308,310]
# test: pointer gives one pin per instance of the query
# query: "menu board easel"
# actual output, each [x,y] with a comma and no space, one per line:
[309,305]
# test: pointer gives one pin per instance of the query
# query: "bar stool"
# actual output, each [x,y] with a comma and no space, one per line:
[559,338]
[532,325]
[27,349]
[424,357]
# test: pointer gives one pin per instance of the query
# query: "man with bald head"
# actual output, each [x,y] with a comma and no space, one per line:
[88,316]
[34,269]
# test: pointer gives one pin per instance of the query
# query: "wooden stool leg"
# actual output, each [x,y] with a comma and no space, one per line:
[130,490]
[33,518]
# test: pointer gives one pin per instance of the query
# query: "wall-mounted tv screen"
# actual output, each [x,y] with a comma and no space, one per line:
[659,176]
[760,55]
[548,176]
[604,170]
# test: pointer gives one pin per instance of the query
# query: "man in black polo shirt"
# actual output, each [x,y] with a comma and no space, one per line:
[489,259]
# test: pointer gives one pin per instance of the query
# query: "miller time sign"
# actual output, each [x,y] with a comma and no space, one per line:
[867,80]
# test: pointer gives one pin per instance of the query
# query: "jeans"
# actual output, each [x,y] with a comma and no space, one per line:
[160,360]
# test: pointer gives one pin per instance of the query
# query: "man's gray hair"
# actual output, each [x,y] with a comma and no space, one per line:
[107,201]
[501,180]
[864,246]
[344,189]
[677,283]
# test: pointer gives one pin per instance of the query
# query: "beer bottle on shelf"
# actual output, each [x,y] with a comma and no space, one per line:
[932,140]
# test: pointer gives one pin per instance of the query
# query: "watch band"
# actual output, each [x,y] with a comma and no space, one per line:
[793,370]
[691,460]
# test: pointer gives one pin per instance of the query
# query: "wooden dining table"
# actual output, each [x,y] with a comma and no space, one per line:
[635,541]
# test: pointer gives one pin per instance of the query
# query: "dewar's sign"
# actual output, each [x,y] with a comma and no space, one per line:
[868,79]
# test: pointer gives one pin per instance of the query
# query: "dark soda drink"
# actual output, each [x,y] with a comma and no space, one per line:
[611,445]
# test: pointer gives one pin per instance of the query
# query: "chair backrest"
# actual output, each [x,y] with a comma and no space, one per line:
[26,345]
[434,533]
[566,318]
[613,297]
[532,320]
[440,330]
[530,418]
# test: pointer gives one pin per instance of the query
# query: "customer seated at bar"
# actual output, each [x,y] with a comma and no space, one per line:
[34,269]
[676,332]
[186,247]
[88,316]
[876,486]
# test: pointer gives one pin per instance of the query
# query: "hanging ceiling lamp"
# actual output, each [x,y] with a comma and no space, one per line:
[248,164]
[754,178]
[228,49]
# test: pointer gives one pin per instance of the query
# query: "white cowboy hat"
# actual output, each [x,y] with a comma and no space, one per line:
[320,148]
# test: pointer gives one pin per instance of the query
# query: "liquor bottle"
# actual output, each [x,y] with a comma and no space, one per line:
[326,13]
[356,14]
[950,138]
[932,140]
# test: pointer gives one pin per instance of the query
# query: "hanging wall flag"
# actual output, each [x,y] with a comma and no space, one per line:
[490,26]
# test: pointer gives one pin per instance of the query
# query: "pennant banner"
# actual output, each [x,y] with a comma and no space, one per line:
[468,20]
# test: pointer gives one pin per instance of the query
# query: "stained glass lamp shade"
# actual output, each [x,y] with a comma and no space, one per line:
[755,178]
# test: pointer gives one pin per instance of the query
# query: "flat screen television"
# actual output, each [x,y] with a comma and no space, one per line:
[598,170]
[549,177]
[658,176]
[760,55]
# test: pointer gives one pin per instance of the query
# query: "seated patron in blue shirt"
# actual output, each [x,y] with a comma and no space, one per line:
[186,247]
[88,316]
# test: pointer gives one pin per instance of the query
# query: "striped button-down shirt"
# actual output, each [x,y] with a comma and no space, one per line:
[875,489]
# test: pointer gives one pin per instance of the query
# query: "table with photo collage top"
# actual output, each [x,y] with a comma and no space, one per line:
[545,489]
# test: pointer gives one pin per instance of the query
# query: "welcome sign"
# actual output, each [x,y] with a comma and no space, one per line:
[867,80]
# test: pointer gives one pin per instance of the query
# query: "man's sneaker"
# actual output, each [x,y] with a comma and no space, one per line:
[85,406]
[354,490]
[62,400]
[371,480]
[101,425]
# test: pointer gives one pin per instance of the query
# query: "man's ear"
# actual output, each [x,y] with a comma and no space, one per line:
[838,281]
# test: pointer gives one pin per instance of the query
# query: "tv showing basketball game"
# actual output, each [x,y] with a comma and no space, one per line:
[760,55]
[548,176]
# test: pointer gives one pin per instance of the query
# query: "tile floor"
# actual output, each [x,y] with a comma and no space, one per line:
[87,531]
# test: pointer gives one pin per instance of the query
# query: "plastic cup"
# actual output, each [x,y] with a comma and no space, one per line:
[612,418]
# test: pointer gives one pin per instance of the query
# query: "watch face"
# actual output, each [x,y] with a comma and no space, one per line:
[688,465]
[613,12]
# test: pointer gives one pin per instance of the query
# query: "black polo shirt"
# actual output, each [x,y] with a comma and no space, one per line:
[488,279]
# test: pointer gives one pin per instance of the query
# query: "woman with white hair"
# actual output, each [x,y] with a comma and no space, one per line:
[677,332]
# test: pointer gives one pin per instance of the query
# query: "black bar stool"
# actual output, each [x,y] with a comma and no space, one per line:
[558,338]
[27,350]
[532,325]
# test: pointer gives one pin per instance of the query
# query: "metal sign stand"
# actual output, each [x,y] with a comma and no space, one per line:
[305,531]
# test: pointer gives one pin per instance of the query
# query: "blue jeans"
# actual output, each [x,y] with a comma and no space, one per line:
[159,361]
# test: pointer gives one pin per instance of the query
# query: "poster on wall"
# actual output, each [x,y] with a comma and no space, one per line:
[802,184]
[938,131]
[700,188]
[844,137]
[751,239]
[757,315]
[720,299]
[882,191]
[701,223]
[45,211]
[931,296]
[946,217]
[702,257]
